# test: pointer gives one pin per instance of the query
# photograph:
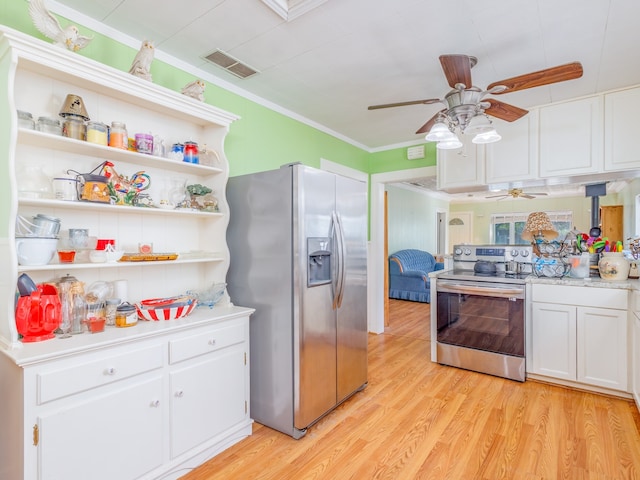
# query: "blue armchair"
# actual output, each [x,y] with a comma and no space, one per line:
[409,275]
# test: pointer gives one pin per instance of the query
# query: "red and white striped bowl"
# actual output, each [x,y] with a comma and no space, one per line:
[165,313]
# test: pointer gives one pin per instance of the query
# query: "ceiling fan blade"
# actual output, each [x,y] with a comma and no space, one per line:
[404,104]
[497,196]
[537,194]
[457,69]
[504,111]
[524,195]
[561,73]
[427,126]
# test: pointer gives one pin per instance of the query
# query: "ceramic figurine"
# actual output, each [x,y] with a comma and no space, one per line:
[194,89]
[69,37]
[141,66]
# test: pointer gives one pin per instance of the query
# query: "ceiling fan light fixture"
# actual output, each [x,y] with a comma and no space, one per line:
[487,137]
[449,144]
[479,124]
[440,132]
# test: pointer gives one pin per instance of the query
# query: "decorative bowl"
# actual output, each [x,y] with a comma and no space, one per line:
[162,313]
[210,296]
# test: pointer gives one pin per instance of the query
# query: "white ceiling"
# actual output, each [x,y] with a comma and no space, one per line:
[328,64]
[333,58]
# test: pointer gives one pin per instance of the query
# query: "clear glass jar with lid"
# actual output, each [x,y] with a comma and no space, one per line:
[49,125]
[97,133]
[25,120]
[118,137]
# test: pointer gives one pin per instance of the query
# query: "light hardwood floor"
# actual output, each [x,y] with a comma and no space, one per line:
[420,420]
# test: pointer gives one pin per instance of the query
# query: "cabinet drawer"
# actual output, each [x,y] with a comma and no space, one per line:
[583,296]
[204,342]
[79,375]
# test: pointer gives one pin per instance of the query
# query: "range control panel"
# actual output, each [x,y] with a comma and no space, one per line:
[492,253]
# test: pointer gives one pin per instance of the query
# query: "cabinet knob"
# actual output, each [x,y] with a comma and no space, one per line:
[110,371]
[155,403]
[179,394]
[212,342]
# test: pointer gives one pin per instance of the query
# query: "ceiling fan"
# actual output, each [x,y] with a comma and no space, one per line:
[466,101]
[517,193]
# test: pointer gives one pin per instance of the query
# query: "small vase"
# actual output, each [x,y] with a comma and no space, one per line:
[613,266]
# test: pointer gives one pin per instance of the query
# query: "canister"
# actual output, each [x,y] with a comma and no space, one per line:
[126,315]
[49,125]
[97,133]
[111,310]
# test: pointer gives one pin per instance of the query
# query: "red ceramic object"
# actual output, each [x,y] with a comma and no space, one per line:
[38,314]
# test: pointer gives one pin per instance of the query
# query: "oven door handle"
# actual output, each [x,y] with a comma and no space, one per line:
[493,292]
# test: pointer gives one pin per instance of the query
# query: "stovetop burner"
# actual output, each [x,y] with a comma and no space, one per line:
[501,277]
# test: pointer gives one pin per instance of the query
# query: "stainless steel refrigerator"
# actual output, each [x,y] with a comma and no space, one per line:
[298,242]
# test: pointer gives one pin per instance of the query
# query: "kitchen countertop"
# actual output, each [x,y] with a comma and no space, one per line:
[591,282]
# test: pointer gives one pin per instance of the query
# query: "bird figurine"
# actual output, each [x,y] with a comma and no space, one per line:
[194,89]
[69,37]
[141,65]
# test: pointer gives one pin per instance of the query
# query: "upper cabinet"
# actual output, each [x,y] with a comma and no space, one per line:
[570,138]
[514,158]
[620,123]
[462,168]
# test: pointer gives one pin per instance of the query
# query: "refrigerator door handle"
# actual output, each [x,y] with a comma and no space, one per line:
[342,255]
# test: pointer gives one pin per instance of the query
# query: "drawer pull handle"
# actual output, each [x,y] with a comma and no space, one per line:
[110,371]
[155,403]
[179,394]
[212,342]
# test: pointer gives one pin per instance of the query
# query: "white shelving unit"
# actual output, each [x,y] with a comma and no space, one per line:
[160,396]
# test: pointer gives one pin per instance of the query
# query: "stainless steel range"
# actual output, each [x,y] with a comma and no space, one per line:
[479,316]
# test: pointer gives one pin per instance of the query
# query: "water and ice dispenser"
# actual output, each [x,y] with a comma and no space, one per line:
[318,261]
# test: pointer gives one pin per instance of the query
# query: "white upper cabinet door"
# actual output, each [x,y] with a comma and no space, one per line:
[571,138]
[620,130]
[461,169]
[515,157]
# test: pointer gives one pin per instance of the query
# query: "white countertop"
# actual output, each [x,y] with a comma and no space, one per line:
[593,282]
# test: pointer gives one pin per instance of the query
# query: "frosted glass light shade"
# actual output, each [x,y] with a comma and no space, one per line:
[439,132]
[479,124]
[449,144]
[487,137]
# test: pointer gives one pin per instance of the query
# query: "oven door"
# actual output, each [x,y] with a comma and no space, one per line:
[486,316]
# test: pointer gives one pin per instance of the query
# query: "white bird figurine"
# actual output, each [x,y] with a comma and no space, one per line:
[141,66]
[69,37]
[194,89]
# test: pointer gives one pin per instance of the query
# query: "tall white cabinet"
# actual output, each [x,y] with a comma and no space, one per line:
[143,402]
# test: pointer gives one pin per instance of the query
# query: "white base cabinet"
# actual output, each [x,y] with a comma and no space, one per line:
[149,409]
[579,335]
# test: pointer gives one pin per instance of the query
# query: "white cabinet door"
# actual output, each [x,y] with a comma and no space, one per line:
[571,138]
[461,168]
[515,157]
[620,130]
[207,398]
[602,347]
[114,436]
[553,328]
[635,364]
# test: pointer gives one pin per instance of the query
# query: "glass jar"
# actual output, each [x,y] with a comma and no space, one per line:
[25,120]
[191,152]
[144,143]
[126,315]
[177,152]
[74,127]
[118,137]
[97,133]
[111,310]
[49,125]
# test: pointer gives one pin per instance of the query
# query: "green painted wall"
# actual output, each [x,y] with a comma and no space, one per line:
[262,139]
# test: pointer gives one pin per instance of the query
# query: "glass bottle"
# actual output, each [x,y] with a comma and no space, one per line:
[118,137]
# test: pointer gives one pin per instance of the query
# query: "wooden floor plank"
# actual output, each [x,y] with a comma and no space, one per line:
[417,420]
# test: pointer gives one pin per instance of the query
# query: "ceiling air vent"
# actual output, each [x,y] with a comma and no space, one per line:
[230,64]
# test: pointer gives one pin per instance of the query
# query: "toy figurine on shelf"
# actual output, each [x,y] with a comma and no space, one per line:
[68,37]
[141,66]
[194,89]
[201,198]
[122,190]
